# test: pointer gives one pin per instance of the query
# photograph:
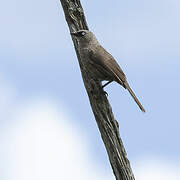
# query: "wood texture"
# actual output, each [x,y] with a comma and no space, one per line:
[106,122]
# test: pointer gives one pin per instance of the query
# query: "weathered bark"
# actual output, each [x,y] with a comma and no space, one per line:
[108,126]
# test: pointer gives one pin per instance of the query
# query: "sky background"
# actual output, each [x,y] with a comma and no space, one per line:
[46,124]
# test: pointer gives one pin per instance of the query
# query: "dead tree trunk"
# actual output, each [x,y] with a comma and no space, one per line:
[107,124]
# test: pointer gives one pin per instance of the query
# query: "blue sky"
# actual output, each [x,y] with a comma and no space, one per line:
[40,77]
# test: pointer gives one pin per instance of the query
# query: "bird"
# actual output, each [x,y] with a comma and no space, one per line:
[102,64]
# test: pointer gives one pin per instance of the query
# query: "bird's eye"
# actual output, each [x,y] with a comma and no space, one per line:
[83,33]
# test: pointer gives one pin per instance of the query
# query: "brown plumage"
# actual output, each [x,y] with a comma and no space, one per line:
[103,64]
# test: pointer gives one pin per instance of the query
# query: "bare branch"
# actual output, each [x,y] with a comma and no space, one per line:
[107,124]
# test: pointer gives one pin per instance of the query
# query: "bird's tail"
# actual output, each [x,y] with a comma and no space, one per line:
[134,97]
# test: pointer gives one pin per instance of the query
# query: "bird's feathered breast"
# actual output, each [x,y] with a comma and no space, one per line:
[100,57]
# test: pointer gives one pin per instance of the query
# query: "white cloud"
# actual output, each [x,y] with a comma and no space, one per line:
[38,142]
[7,97]
[41,144]
[157,169]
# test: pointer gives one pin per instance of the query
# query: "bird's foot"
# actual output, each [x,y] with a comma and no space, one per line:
[106,83]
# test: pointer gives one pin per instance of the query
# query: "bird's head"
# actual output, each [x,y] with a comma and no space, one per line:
[83,36]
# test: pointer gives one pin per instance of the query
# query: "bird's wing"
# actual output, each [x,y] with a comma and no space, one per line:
[107,63]
[105,60]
